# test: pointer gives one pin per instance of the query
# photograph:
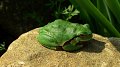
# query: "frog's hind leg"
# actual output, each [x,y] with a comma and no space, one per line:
[72,45]
[50,47]
[58,48]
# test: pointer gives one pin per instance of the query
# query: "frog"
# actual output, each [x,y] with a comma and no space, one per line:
[64,35]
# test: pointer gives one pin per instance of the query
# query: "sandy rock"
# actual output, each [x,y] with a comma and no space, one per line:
[27,52]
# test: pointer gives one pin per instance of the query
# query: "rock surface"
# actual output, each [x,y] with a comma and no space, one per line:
[27,52]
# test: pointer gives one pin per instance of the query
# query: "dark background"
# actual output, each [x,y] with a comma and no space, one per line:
[20,16]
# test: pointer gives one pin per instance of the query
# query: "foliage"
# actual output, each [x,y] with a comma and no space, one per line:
[56,6]
[70,12]
[61,11]
[2,46]
[101,14]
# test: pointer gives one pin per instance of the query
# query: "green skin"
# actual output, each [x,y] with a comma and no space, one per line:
[69,36]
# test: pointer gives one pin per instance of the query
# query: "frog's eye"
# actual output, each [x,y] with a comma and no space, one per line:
[82,35]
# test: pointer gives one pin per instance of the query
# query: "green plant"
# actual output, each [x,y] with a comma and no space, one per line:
[61,11]
[101,14]
[2,46]
[70,12]
[56,6]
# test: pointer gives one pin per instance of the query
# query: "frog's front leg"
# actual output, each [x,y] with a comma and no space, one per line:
[72,45]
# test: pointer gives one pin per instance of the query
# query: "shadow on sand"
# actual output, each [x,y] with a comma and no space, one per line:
[93,47]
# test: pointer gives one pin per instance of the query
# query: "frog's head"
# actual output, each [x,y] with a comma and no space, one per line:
[84,33]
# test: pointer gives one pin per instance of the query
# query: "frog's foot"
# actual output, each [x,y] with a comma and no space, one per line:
[58,48]
[50,47]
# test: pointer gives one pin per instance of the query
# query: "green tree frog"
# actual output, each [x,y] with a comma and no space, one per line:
[64,34]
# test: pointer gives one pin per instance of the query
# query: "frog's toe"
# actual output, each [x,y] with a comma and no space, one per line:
[58,48]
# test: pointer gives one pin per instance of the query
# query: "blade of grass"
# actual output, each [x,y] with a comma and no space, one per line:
[84,15]
[101,5]
[115,8]
[92,10]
